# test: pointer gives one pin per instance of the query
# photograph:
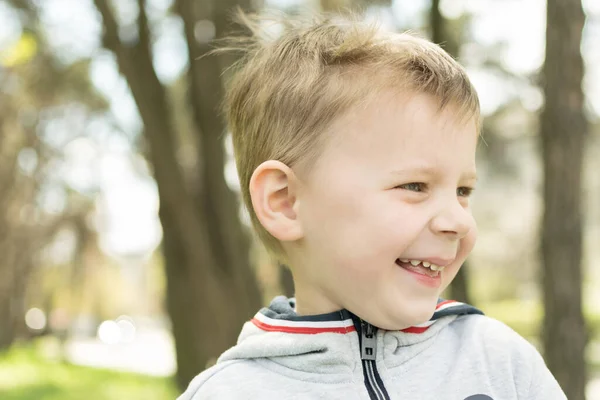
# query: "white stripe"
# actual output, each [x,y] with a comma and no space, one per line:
[373,381]
[304,324]
[449,305]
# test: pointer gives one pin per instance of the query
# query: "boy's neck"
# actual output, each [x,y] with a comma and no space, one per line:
[312,302]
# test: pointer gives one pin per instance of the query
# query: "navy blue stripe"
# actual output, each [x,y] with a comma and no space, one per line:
[462,309]
[380,382]
[370,389]
[330,317]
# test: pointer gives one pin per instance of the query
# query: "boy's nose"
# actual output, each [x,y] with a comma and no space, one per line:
[454,220]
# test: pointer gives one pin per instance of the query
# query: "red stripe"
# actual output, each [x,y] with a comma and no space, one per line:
[443,303]
[416,329]
[312,331]
[298,329]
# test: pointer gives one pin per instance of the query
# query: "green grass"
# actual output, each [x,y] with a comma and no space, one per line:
[26,375]
[525,317]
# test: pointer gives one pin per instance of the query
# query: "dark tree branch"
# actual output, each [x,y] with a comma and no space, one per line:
[143,26]
[135,63]
[110,37]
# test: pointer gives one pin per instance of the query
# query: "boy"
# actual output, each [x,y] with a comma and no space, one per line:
[356,155]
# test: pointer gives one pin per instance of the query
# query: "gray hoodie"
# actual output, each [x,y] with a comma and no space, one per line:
[459,354]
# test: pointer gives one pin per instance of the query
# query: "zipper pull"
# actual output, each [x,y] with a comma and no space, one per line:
[368,347]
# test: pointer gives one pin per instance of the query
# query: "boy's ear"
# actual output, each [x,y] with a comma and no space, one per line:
[273,190]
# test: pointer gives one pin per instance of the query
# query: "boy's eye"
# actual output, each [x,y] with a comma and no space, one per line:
[464,191]
[413,186]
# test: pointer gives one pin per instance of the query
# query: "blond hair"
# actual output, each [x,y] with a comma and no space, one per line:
[287,90]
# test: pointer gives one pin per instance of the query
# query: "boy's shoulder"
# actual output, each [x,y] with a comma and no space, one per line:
[479,323]
[221,381]
[499,348]
[488,333]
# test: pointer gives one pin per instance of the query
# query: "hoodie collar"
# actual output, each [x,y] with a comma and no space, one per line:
[281,317]
[328,344]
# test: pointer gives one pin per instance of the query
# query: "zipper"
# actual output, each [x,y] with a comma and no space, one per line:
[367,337]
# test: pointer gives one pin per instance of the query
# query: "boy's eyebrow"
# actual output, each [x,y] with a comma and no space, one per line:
[430,171]
[422,170]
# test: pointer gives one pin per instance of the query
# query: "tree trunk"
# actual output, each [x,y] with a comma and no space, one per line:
[15,270]
[333,5]
[440,30]
[13,247]
[563,132]
[211,289]
[459,288]
[7,314]
[286,280]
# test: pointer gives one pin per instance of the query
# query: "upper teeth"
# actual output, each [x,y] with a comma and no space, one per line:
[426,264]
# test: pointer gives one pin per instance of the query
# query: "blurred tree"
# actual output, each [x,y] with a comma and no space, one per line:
[14,241]
[286,280]
[35,90]
[442,32]
[333,5]
[211,288]
[563,133]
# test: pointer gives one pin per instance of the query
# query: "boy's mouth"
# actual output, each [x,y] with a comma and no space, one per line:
[420,267]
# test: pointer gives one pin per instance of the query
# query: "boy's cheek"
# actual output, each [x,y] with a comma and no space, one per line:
[472,236]
[468,243]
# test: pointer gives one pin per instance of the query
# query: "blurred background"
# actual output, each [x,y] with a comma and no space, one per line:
[107,111]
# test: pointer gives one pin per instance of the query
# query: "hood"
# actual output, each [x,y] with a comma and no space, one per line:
[330,343]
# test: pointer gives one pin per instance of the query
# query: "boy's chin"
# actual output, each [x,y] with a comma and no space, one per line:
[412,316]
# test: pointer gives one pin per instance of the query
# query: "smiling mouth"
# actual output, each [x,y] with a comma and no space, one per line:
[420,267]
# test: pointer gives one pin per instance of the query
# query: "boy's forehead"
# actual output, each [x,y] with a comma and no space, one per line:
[407,120]
[390,138]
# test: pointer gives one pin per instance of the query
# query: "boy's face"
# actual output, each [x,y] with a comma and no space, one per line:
[391,185]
